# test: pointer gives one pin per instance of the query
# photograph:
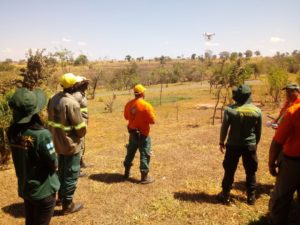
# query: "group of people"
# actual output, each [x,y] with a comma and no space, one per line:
[47,157]
[241,127]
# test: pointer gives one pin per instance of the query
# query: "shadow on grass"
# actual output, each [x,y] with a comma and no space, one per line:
[110,178]
[260,188]
[203,197]
[16,210]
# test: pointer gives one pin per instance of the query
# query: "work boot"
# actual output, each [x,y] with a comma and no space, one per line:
[127,172]
[251,199]
[70,207]
[145,179]
[224,197]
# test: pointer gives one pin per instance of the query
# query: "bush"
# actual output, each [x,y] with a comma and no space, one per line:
[5,115]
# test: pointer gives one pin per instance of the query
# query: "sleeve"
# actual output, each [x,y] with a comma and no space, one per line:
[150,114]
[75,119]
[47,151]
[258,128]
[84,109]
[126,112]
[224,127]
[284,129]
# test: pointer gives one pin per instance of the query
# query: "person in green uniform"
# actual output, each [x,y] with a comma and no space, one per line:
[33,155]
[244,122]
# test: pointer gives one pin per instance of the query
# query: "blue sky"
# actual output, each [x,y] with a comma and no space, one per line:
[112,29]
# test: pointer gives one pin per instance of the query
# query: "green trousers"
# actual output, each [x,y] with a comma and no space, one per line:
[143,143]
[68,173]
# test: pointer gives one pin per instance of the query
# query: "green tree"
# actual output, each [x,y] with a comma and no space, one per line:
[128,58]
[81,60]
[193,56]
[257,53]
[277,79]
[125,78]
[224,55]
[38,69]
[248,54]
[6,115]
[233,56]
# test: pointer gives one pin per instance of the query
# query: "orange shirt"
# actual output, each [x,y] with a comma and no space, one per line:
[284,109]
[288,132]
[140,115]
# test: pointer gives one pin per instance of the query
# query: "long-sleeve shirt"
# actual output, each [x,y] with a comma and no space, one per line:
[35,162]
[140,115]
[244,123]
[66,123]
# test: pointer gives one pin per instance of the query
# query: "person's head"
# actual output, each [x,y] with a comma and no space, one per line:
[241,94]
[82,83]
[139,90]
[69,82]
[25,104]
[292,91]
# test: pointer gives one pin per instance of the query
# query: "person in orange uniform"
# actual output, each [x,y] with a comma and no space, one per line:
[140,115]
[292,92]
[287,141]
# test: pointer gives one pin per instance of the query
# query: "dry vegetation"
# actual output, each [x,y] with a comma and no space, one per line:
[187,166]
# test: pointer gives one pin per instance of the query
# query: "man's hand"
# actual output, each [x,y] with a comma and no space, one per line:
[273,169]
[222,147]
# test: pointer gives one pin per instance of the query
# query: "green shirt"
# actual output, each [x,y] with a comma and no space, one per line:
[244,123]
[35,161]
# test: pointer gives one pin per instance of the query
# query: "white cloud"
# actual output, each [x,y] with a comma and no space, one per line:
[211,43]
[276,39]
[7,50]
[66,40]
[81,43]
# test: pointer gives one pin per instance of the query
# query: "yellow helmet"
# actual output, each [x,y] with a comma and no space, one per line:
[68,80]
[139,89]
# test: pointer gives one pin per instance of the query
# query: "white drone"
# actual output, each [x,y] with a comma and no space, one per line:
[208,36]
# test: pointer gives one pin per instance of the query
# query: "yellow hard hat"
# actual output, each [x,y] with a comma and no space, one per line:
[139,89]
[68,80]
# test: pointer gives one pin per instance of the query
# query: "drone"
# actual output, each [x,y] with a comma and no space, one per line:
[208,36]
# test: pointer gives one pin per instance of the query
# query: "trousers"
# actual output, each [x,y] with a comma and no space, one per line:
[143,143]
[250,163]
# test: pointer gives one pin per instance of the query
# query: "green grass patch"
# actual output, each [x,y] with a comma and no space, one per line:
[167,99]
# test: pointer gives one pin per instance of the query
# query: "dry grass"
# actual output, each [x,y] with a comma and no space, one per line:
[187,166]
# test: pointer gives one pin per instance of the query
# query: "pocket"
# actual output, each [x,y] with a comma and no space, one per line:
[75,169]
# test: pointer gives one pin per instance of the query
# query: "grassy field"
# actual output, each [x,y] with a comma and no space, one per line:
[187,166]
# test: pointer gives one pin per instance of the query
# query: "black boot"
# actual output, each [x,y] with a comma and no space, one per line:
[70,207]
[224,197]
[127,172]
[251,199]
[145,179]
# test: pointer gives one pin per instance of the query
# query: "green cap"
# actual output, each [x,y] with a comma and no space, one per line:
[26,103]
[241,93]
[292,86]
[242,89]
